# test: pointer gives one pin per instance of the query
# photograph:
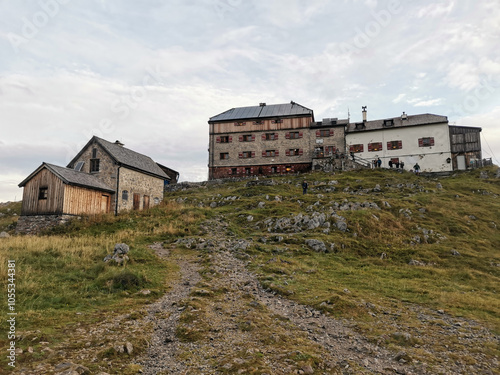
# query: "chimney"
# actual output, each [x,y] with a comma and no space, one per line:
[404,116]
[119,143]
[364,113]
[262,104]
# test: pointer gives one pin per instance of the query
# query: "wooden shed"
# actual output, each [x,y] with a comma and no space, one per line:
[55,190]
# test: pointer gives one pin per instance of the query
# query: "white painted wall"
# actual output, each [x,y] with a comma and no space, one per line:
[430,159]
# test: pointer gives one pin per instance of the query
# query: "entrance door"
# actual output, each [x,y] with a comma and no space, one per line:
[461,162]
[145,202]
[137,201]
[104,203]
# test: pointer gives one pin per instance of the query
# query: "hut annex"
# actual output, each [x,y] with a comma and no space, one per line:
[103,177]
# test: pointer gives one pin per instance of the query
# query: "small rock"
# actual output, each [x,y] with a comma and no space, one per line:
[129,348]
[4,235]
[249,218]
[455,252]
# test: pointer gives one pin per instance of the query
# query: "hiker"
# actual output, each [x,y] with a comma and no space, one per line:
[397,164]
[379,162]
[390,163]
[352,155]
[416,167]
[304,187]
[402,165]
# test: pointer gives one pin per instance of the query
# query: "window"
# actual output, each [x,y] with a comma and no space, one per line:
[224,139]
[277,121]
[294,152]
[247,154]
[274,169]
[247,138]
[248,170]
[356,148]
[329,150]
[240,123]
[79,166]
[426,142]
[224,155]
[270,153]
[125,195]
[388,123]
[234,170]
[269,136]
[324,133]
[258,122]
[288,168]
[376,146]
[94,153]
[394,145]
[43,193]
[293,135]
[94,165]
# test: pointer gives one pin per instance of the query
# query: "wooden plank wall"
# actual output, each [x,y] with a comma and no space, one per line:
[55,195]
[78,200]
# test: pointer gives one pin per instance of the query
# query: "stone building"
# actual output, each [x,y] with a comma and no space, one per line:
[103,177]
[270,139]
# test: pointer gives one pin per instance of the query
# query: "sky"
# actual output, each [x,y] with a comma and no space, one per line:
[151,73]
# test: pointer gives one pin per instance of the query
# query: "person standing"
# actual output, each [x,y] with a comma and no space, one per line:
[402,165]
[379,162]
[390,163]
[305,185]
[416,168]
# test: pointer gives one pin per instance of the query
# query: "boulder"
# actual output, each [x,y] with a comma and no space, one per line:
[316,245]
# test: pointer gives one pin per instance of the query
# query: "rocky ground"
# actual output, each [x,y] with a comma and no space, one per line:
[217,319]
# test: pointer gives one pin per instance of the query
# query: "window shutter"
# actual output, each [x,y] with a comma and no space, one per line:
[230,139]
[264,154]
[218,140]
[287,135]
[253,154]
[432,141]
[251,170]
[370,146]
[300,134]
[240,155]
[287,152]
[277,153]
[318,133]
[301,151]
[275,136]
[241,138]
[253,137]
[263,136]
[331,132]
[421,142]
[351,148]
[389,145]
[400,144]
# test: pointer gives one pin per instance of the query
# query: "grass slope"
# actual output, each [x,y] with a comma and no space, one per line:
[364,273]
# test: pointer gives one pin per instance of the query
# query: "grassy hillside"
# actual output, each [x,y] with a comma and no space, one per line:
[382,240]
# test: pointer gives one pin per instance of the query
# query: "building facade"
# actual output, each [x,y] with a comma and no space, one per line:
[270,139]
[422,139]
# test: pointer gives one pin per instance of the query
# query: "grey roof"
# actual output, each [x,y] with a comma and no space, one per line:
[127,157]
[263,111]
[71,177]
[328,122]
[414,120]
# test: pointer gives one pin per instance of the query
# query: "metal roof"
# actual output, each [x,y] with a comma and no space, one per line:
[263,111]
[71,177]
[398,122]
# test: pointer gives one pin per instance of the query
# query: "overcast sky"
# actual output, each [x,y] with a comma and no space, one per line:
[151,73]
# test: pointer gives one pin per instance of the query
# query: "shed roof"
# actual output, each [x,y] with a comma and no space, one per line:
[263,111]
[398,122]
[71,177]
[126,157]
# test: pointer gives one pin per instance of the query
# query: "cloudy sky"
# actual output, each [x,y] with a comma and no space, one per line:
[150,73]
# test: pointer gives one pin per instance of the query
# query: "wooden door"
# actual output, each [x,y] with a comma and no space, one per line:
[145,202]
[105,203]
[137,201]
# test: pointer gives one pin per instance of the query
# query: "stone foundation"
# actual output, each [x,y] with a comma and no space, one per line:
[37,223]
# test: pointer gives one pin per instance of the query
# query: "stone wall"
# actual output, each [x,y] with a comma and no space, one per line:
[37,223]
[134,182]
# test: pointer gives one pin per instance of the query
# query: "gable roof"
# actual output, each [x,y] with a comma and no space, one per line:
[71,177]
[126,157]
[398,122]
[263,111]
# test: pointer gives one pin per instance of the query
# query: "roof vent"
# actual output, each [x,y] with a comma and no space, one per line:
[262,104]
[119,143]
[404,116]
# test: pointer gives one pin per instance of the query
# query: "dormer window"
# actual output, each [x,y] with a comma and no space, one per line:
[389,123]
[360,126]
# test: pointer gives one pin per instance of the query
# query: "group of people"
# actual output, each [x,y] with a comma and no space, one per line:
[397,164]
